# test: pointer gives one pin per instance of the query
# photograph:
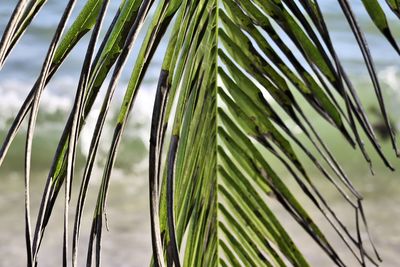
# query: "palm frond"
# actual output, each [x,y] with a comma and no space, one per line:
[379,18]
[207,179]
[230,85]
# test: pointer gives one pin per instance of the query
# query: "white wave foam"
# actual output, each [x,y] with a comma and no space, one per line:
[391,78]
[138,126]
[56,98]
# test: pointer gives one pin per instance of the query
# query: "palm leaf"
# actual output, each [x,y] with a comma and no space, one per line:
[228,86]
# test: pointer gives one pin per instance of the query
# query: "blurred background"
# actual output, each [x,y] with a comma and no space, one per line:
[127,243]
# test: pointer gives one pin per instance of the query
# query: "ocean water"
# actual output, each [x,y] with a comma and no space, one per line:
[128,241]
